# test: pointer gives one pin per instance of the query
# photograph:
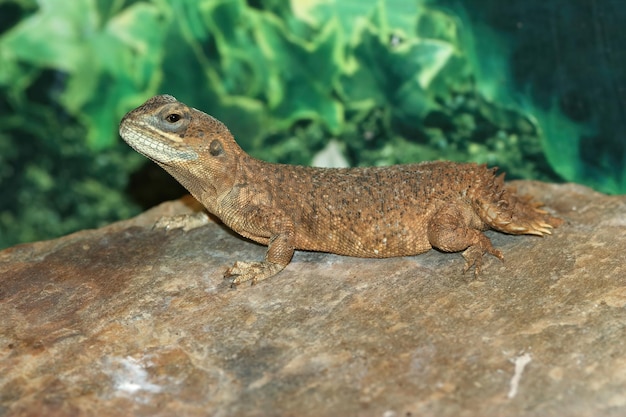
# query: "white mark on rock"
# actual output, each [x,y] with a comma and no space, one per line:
[130,376]
[520,364]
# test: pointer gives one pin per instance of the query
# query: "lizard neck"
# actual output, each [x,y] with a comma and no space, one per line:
[210,183]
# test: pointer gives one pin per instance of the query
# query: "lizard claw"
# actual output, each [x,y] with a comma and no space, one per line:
[239,273]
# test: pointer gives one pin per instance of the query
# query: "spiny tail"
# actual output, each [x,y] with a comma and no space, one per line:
[504,210]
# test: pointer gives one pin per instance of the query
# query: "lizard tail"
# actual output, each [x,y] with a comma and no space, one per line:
[504,210]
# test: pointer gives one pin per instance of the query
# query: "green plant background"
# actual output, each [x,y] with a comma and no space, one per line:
[387,81]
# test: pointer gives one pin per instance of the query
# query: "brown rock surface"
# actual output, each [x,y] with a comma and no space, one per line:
[131,320]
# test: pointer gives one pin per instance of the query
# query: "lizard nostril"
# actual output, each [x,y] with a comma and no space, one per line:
[173,118]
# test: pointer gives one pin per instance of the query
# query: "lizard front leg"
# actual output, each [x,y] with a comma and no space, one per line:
[279,253]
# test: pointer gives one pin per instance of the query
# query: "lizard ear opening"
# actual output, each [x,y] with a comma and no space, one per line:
[216,148]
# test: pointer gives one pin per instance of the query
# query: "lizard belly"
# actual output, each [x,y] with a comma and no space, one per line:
[366,237]
[383,247]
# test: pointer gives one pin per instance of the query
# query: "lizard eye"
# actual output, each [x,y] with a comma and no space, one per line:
[173,118]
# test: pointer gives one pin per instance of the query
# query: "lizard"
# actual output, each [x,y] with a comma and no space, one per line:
[370,212]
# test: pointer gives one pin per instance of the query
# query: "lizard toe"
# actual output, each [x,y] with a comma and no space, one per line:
[473,256]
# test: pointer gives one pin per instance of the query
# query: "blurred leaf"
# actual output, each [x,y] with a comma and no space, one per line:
[351,15]
[52,37]
[309,72]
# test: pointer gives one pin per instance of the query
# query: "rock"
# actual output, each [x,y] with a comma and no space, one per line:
[132,320]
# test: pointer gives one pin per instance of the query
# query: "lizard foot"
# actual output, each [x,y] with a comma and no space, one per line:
[252,272]
[182,221]
[473,256]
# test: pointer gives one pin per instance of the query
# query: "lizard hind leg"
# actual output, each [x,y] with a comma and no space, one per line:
[449,232]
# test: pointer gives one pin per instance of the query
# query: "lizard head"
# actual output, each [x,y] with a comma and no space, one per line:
[195,148]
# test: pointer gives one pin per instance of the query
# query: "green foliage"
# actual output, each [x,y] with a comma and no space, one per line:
[50,183]
[107,62]
[568,87]
[386,78]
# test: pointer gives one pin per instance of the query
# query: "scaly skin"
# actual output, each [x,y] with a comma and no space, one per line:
[373,212]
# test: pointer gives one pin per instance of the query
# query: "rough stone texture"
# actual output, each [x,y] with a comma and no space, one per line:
[131,320]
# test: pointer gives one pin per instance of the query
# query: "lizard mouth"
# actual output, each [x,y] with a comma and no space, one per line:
[159,149]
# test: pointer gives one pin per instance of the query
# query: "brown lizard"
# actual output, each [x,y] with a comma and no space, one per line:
[371,212]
